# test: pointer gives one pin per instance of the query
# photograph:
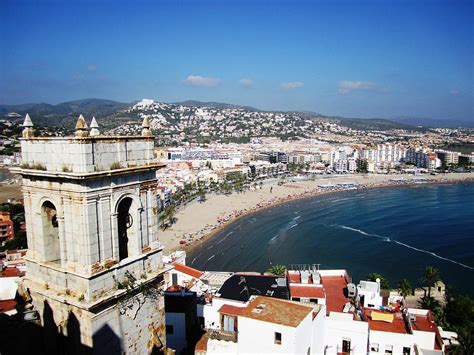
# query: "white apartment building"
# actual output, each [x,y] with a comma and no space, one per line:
[389,154]
[422,158]
[284,327]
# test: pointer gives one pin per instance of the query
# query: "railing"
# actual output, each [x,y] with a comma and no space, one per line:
[217,334]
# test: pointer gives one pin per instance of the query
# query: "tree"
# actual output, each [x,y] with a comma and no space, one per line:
[362,166]
[404,287]
[384,284]
[19,242]
[465,339]
[428,302]
[459,315]
[202,194]
[277,270]
[460,310]
[430,277]
[167,217]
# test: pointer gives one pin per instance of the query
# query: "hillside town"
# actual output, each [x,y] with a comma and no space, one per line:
[97,278]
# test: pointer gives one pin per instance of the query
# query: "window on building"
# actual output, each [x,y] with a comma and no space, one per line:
[374,347]
[297,299]
[169,329]
[314,300]
[388,349]
[277,338]
[406,350]
[346,345]
[125,222]
[229,323]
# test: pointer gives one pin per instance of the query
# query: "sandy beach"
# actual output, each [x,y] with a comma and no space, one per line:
[197,221]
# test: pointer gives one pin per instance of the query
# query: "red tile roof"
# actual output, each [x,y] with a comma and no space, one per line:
[230,310]
[201,345]
[7,305]
[397,326]
[11,272]
[309,291]
[427,324]
[424,324]
[188,270]
[277,311]
[335,296]
[294,277]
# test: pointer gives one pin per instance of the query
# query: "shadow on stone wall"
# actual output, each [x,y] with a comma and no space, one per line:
[18,336]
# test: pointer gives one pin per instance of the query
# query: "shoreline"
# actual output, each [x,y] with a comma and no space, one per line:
[195,234]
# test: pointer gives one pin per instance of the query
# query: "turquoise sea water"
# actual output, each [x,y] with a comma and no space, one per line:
[396,232]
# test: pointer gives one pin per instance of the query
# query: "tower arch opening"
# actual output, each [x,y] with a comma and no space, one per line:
[50,232]
[126,226]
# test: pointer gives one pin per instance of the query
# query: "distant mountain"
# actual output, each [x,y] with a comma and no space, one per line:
[432,122]
[364,124]
[112,114]
[46,114]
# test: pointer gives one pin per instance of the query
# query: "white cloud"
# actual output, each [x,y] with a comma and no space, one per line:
[291,85]
[92,67]
[454,92]
[198,80]
[246,82]
[347,86]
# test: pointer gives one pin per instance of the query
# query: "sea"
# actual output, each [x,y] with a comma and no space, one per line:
[394,231]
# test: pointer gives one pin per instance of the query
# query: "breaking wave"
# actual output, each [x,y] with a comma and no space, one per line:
[386,239]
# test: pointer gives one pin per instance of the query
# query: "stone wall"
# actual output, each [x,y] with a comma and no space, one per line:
[130,326]
[86,155]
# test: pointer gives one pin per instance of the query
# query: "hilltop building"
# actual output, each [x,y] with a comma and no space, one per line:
[94,262]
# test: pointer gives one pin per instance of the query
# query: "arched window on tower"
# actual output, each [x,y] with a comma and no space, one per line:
[125,223]
[50,233]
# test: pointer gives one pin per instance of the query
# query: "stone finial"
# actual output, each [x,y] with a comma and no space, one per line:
[81,127]
[28,131]
[94,128]
[146,131]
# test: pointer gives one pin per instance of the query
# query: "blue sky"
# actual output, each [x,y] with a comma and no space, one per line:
[354,58]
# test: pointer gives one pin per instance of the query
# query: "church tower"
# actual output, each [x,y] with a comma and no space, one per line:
[94,260]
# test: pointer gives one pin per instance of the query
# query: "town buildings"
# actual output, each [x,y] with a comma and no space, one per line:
[6,227]
[308,311]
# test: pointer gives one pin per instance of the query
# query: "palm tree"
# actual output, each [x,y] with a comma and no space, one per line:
[167,217]
[404,287]
[384,285]
[430,277]
[162,218]
[202,194]
[277,270]
[429,302]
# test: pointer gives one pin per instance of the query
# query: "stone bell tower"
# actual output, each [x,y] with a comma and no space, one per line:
[94,260]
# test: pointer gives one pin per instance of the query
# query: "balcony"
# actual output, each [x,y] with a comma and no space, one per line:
[224,335]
